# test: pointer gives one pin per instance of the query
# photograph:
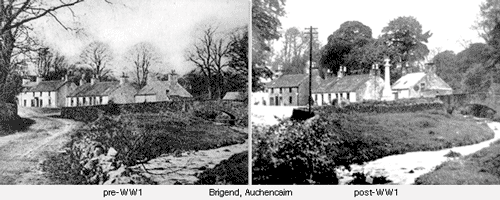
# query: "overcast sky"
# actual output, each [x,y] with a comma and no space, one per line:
[449,21]
[170,24]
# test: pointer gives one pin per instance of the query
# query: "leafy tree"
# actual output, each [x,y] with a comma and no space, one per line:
[405,41]
[346,47]
[265,28]
[446,68]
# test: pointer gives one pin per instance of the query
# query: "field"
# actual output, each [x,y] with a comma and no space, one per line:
[310,150]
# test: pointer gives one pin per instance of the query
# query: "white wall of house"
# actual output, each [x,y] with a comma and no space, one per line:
[38,99]
[145,98]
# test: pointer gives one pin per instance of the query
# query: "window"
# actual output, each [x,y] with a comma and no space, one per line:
[281,90]
[100,100]
[84,101]
[166,91]
[40,93]
[50,102]
[329,97]
[272,90]
[33,93]
[25,103]
[271,100]
[290,100]
[49,95]
[72,102]
[422,86]
[290,90]
[347,96]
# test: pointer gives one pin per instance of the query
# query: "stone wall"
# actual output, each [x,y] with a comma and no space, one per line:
[397,106]
[239,109]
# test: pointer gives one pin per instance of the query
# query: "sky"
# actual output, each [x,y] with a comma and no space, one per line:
[171,25]
[449,21]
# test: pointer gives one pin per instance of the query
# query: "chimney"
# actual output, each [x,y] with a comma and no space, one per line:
[66,77]
[431,69]
[341,72]
[26,81]
[123,79]
[82,79]
[93,80]
[39,79]
[173,78]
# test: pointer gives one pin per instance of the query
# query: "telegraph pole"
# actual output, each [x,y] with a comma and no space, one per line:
[312,32]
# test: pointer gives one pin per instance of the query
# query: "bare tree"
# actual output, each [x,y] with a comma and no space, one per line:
[143,56]
[15,39]
[50,64]
[210,54]
[98,56]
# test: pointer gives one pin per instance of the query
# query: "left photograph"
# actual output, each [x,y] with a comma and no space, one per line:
[124,92]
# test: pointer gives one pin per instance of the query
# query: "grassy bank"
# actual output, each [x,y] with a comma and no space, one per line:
[233,171]
[312,149]
[480,168]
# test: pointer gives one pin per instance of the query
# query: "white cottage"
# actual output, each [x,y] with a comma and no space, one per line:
[42,93]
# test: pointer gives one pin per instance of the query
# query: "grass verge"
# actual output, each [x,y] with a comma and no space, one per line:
[480,168]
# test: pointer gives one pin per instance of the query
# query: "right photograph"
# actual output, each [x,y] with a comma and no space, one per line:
[375,92]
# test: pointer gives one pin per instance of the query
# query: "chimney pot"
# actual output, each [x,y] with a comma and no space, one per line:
[39,79]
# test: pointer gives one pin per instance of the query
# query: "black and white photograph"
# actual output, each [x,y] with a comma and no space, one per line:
[135,92]
[375,92]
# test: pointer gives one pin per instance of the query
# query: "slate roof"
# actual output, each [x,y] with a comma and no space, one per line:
[233,96]
[409,80]
[154,87]
[345,84]
[98,89]
[289,80]
[44,86]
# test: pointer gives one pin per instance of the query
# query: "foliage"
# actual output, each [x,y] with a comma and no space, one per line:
[445,63]
[405,40]
[346,47]
[307,152]
[233,171]
[265,28]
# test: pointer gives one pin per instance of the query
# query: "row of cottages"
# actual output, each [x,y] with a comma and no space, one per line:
[101,93]
[48,94]
[123,92]
[291,89]
[156,90]
[352,88]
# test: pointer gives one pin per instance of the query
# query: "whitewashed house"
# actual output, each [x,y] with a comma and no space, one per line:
[352,88]
[102,93]
[50,94]
[420,84]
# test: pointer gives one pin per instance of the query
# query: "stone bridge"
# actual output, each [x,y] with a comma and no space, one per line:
[463,101]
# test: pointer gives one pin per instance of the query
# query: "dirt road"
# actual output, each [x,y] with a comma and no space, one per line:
[21,153]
